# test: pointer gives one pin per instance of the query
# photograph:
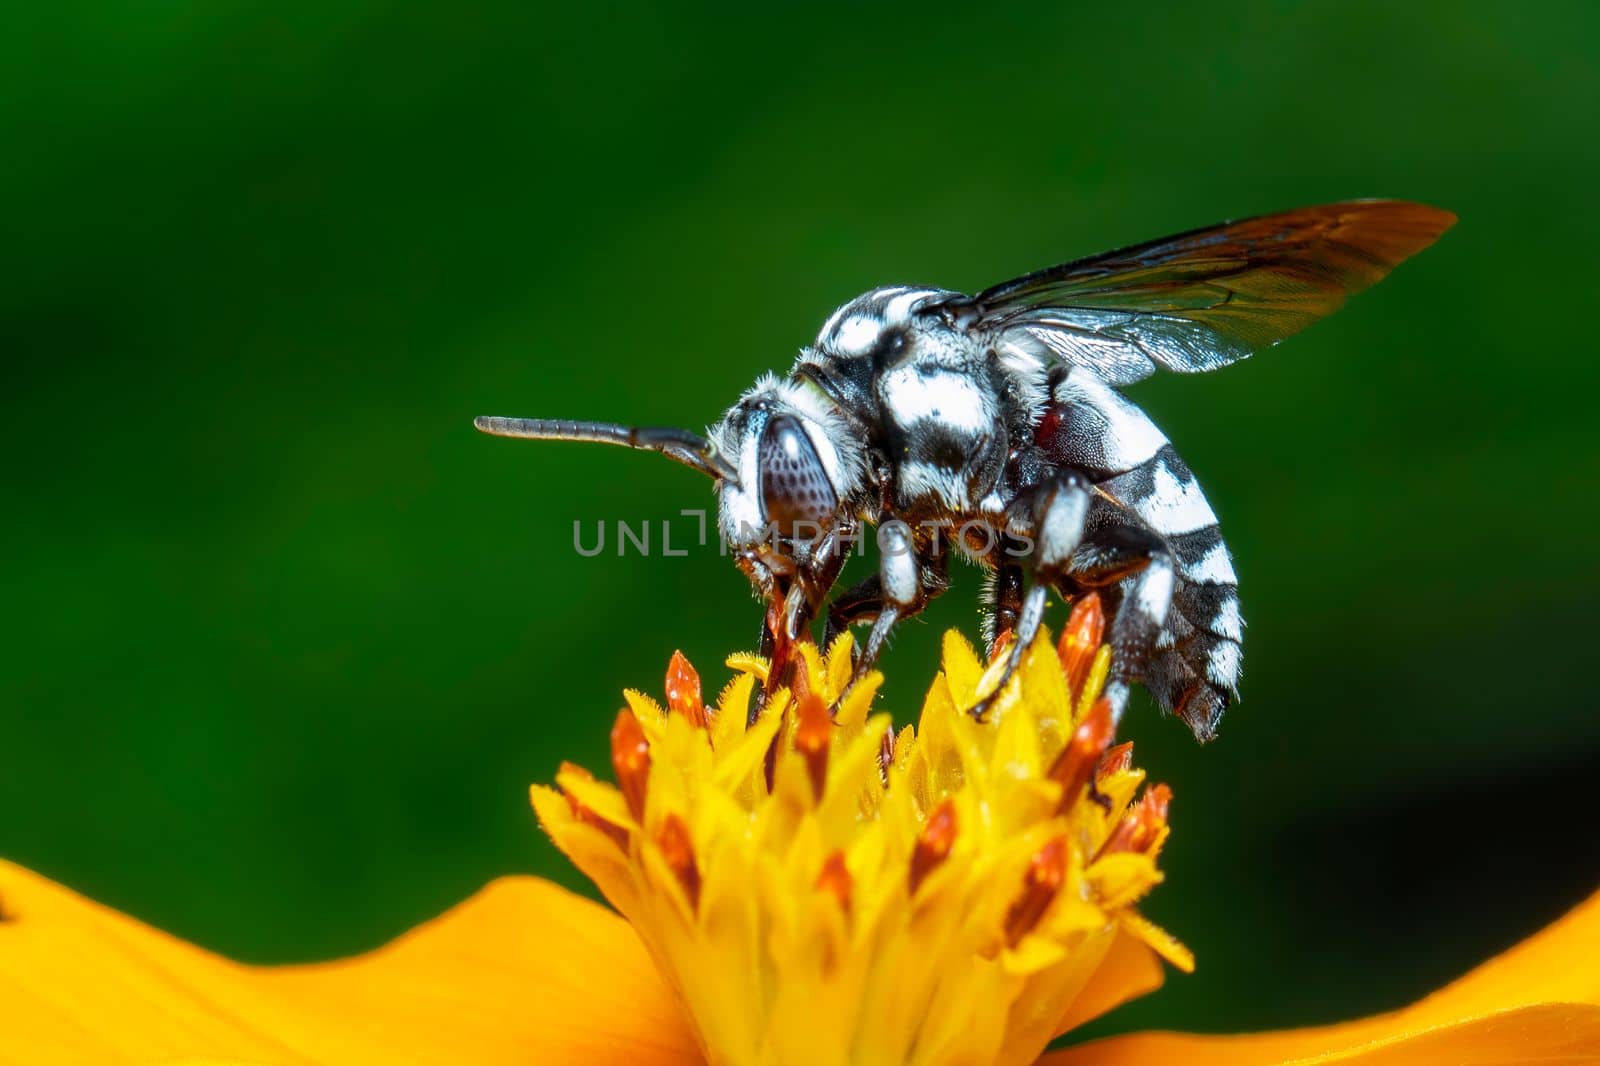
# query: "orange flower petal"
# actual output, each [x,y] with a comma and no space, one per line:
[1129,970]
[1556,1034]
[522,972]
[1538,1002]
[1559,964]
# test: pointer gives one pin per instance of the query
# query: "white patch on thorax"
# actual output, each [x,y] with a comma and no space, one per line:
[1029,375]
[922,481]
[857,334]
[949,397]
[851,308]
[898,309]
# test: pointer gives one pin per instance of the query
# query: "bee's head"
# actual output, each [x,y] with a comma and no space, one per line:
[799,470]
[788,467]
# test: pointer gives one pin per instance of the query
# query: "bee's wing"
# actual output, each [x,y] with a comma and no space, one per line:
[1209,297]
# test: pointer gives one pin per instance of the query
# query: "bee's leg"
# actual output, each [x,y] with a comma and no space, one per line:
[822,573]
[1124,552]
[768,645]
[1004,593]
[774,646]
[860,602]
[911,571]
[1053,515]
[792,607]
[863,601]
[771,593]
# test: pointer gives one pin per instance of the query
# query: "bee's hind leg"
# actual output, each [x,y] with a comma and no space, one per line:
[1052,515]
[1135,564]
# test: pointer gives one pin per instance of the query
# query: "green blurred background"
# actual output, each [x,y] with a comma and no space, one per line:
[285,640]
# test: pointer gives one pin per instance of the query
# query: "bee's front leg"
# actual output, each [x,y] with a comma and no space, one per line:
[793,601]
[864,601]
[860,602]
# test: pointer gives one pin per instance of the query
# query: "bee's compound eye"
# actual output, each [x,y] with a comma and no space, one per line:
[794,484]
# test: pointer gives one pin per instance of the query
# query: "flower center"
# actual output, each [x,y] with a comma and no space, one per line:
[821,889]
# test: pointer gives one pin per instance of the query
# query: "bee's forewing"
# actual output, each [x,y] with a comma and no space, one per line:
[1209,297]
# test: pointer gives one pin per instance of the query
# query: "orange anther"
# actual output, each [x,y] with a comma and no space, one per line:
[1156,803]
[1080,641]
[585,814]
[683,690]
[630,758]
[933,846]
[835,880]
[1075,766]
[1046,873]
[1115,760]
[678,852]
[813,733]
[1139,827]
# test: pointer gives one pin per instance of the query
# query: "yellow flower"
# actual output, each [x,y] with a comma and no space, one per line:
[820,890]
[806,889]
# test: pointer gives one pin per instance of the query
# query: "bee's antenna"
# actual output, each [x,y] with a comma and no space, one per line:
[690,449]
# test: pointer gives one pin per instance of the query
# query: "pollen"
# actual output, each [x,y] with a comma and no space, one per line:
[820,888]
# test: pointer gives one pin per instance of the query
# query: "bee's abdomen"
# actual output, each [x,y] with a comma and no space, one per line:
[1196,665]
[1195,668]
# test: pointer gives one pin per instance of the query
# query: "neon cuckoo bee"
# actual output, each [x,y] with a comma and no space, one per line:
[995,425]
